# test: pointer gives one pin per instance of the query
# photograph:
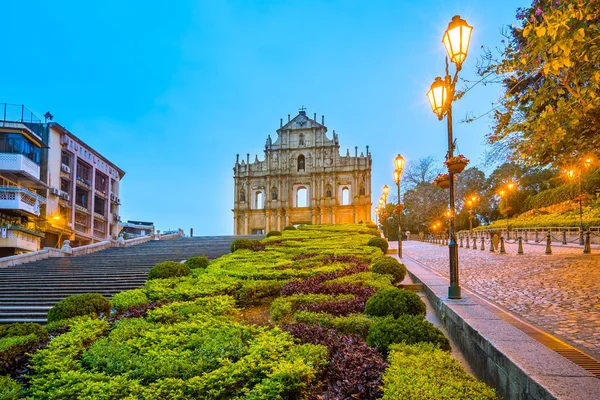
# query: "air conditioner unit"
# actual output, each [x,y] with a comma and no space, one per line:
[66,196]
[54,191]
[113,198]
[65,168]
[64,139]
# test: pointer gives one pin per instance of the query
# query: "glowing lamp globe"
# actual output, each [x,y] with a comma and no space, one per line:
[399,163]
[438,97]
[397,175]
[457,39]
[386,190]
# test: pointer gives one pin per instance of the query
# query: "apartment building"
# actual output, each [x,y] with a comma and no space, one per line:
[53,186]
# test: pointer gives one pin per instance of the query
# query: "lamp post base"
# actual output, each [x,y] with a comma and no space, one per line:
[399,246]
[454,292]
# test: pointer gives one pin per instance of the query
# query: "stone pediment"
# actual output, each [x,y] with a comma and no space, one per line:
[301,121]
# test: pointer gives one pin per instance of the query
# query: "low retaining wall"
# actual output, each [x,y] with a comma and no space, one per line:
[504,357]
[50,252]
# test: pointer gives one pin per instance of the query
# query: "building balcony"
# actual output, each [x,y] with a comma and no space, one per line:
[20,199]
[21,169]
[20,239]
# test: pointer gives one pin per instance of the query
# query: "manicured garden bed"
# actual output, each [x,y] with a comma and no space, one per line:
[298,315]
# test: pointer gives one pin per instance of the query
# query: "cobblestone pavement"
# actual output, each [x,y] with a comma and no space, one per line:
[559,293]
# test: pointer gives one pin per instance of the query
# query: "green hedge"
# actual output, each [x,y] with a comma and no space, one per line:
[422,371]
[274,233]
[130,298]
[197,262]
[395,302]
[390,266]
[589,184]
[289,228]
[168,269]
[80,305]
[9,388]
[242,244]
[379,242]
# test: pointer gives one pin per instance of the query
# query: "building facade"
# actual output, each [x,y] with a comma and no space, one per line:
[53,186]
[302,179]
[133,229]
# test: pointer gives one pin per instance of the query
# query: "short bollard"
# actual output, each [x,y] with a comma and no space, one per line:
[468,244]
[491,246]
[564,237]
[520,250]
[587,248]
[502,249]
[526,240]
[461,243]
[482,243]
[548,243]
[537,239]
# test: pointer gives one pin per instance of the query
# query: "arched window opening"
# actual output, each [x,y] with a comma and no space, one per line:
[328,191]
[302,197]
[345,196]
[274,194]
[260,201]
[242,195]
[362,190]
[301,140]
[301,162]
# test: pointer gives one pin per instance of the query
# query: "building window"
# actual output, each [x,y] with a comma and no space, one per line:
[301,140]
[302,197]
[362,190]
[260,201]
[101,183]
[301,162]
[242,195]
[99,206]
[114,187]
[328,191]
[274,193]
[65,185]
[84,173]
[66,158]
[81,197]
[345,196]
[17,143]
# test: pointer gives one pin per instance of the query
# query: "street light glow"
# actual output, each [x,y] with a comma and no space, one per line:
[438,97]
[457,39]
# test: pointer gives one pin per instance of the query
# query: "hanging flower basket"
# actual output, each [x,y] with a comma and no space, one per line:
[442,181]
[398,209]
[456,164]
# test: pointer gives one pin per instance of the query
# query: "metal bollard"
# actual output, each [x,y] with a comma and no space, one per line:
[502,249]
[564,237]
[587,248]
[520,250]
[461,243]
[474,243]
[537,239]
[526,240]
[482,243]
[468,244]
[491,246]
[548,243]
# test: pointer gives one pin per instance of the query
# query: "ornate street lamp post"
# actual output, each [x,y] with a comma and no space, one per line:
[572,173]
[471,204]
[456,39]
[399,164]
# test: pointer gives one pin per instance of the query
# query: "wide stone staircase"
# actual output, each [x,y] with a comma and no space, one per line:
[29,290]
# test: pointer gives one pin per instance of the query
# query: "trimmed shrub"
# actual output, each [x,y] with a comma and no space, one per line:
[409,329]
[395,302]
[252,291]
[168,269]
[242,244]
[371,225]
[390,266]
[352,324]
[289,228]
[379,242]
[130,298]
[9,388]
[274,233]
[422,371]
[80,305]
[197,262]
[23,329]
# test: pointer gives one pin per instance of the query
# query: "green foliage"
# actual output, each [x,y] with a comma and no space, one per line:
[407,329]
[422,371]
[80,305]
[9,388]
[13,346]
[189,288]
[371,225]
[358,324]
[378,242]
[368,279]
[130,298]
[168,269]
[590,217]
[289,228]
[181,311]
[274,233]
[197,262]
[551,105]
[283,307]
[390,266]
[395,302]
[242,244]
[252,291]
[22,329]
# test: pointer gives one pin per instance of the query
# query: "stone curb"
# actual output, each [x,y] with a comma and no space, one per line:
[516,365]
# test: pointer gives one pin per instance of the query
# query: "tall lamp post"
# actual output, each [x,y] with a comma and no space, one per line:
[456,39]
[399,164]
[471,204]
[572,173]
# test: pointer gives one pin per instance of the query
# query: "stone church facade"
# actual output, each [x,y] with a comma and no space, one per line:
[302,179]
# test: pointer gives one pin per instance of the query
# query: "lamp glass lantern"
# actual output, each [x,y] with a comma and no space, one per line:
[386,190]
[438,96]
[456,39]
[399,163]
[397,176]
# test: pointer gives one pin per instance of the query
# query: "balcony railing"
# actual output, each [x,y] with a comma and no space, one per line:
[20,198]
[20,240]
[19,163]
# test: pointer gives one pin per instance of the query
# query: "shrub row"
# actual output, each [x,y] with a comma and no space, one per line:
[380,243]
[79,305]
[390,266]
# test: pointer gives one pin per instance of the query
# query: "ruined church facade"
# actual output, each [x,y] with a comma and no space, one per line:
[302,179]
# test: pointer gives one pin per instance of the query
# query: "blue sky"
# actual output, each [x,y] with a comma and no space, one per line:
[171,91]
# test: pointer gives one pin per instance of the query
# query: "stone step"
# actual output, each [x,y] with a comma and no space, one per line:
[21,320]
